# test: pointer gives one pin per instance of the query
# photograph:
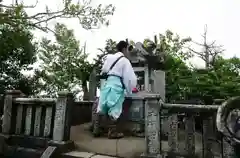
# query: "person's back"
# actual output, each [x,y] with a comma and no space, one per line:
[120,77]
[122,69]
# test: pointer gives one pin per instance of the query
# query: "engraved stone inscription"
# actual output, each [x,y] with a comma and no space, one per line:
[152,127]
[19,119]
[190,138]
[28,121]
[47,125]
[136,115]
[6,125]
[37,121]
[173,133]
[207,132]
[59,119]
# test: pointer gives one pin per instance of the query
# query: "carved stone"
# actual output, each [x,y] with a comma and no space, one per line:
[19,119]
[92,85]
[152,125]
[207,133]
[47,123]
[190,135]
[37,122]
[222,115]
[135,115]
[173,134]
[62,122]
[158,85]
[28,121]
[8,109]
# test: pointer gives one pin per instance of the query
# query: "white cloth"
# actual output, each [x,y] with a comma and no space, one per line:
[122,68]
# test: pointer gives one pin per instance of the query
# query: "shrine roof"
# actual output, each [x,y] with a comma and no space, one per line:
[138,54]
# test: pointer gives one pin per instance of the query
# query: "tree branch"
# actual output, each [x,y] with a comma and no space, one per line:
[88,16]
[17,5]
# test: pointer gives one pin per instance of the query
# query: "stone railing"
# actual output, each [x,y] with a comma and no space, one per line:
[36,123]
[44,124]
[185,142]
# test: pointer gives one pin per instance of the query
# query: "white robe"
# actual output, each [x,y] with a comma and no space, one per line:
[122,68]
[112,93]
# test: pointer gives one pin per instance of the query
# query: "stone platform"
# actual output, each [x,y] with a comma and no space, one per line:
[127,147]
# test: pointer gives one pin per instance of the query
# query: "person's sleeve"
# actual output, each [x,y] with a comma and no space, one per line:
[104,67]
[129,77]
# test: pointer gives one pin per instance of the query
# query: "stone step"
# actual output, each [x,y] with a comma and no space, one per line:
[81,154]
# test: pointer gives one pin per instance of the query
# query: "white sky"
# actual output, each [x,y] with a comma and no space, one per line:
[140,19]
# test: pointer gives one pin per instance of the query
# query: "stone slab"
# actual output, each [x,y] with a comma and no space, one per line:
[125,147]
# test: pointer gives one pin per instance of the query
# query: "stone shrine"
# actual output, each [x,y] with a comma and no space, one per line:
[150,81]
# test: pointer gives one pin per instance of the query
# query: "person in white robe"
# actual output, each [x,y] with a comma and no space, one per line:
[119,82]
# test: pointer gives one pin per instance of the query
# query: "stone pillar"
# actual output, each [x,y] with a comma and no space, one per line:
[173,134]
[8,112]
[92,85]
[190,135]
[152,124]
[207,136]
[146,79]
[158,85]
[62,122]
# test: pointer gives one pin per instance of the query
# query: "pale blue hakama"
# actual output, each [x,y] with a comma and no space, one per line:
[111,97]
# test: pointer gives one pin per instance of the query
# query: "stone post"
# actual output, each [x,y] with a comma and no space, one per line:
[158,86]
[8,112]
[152,124]
[92,85]
[62,124]
[190,135]
[207,135]
[173,134]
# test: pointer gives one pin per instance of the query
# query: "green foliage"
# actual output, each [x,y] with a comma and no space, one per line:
[173,45]
[18,49]
[64,65]
[16,54]
[183,81]
[175,57]
[221,81]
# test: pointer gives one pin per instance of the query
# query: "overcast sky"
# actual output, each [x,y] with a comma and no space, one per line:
[140,19]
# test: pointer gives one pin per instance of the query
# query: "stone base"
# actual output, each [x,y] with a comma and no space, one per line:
[127,147]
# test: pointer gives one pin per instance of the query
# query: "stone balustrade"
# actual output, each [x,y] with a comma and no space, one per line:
[45,123]
[39,123]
